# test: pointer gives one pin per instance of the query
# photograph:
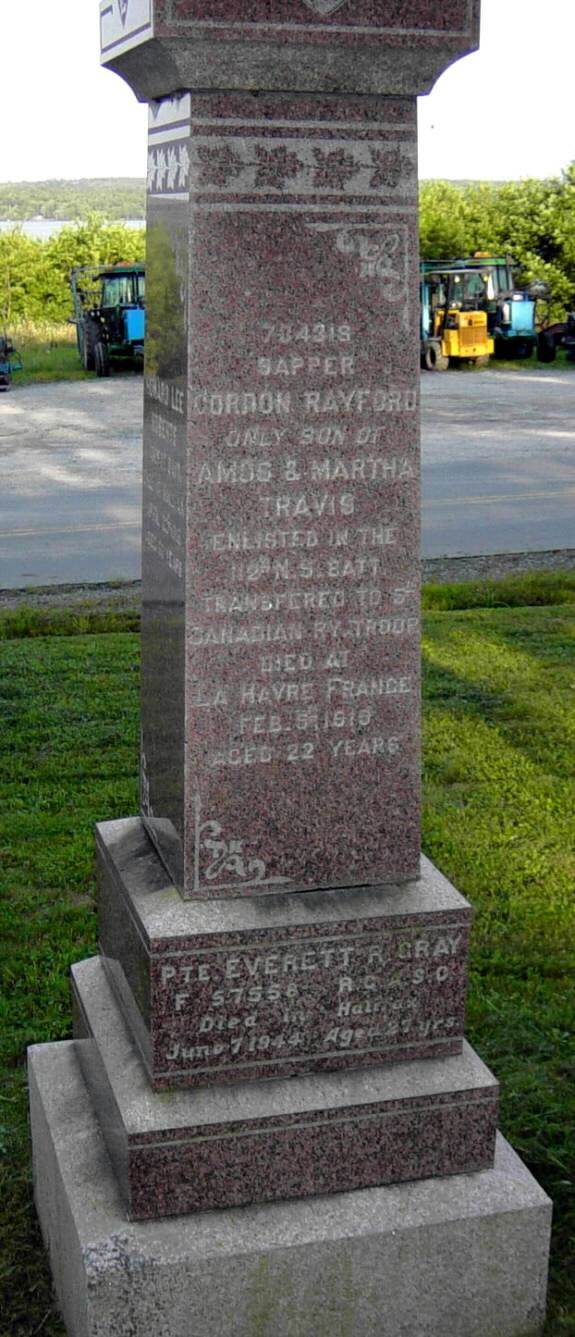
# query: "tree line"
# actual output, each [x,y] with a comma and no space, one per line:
[35,275]
[114,197]
[531,220]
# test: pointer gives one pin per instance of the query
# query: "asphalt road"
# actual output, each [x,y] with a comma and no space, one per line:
[498,472]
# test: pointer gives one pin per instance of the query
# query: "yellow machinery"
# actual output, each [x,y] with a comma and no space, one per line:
[453,325]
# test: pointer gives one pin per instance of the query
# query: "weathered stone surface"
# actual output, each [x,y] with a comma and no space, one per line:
[275,986]
[351,46]
[280,652]
[223,1146]
[465,1255]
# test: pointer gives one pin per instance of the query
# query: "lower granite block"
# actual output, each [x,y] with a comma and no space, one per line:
[465,1256]
[226,1146]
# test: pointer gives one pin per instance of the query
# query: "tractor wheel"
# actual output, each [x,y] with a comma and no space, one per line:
[87,341]
[101,359]
[546,350]
[482,361]
[434,359]
[524,348]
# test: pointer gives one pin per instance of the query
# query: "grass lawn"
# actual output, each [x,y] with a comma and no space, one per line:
[49,353]
[499,800]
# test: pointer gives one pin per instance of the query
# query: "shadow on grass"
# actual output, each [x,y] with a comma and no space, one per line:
[507,665]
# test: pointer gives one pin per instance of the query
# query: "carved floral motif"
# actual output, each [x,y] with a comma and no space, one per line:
[275,167]
[298,167]
[388,167]
[379,252]
[169,168]
[334,168]
[219,165]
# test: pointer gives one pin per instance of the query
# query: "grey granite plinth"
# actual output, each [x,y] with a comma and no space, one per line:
[466,1255]
[222,1146]
[278,986]
[159,47]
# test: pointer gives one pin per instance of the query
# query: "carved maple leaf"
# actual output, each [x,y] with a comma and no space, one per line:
[219,165]
[387,168]
[183,164]
[334,168]
[161,168]
[275,166]
[173,168]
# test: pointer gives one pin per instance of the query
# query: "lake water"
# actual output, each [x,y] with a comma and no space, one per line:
[42,228]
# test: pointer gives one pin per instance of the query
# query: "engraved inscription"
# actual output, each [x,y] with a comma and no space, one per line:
[309,570]
[315,998]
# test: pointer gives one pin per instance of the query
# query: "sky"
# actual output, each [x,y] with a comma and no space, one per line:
[506,112]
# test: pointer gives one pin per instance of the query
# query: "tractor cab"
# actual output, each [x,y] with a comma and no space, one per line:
[510,309]
[109,314]
[453,318]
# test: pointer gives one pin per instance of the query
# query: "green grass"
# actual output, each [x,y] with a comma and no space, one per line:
[78,620]
[518,364]
[561,363]
[521,591]
[49,353]
[499,738]
[499,798]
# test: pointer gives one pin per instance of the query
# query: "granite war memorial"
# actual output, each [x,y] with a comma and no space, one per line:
[269,1120]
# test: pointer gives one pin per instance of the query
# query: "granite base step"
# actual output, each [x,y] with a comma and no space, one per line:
[226,1146]
[465,1255]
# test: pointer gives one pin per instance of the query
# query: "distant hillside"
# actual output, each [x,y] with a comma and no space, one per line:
[114,197]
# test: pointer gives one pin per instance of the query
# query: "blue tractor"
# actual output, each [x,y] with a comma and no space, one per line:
[10,361]
[109,314]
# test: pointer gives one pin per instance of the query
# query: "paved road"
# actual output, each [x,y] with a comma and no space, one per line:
[498,472]
[71,467]
[498,462]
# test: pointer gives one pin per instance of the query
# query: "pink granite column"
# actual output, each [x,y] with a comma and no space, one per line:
[281,599]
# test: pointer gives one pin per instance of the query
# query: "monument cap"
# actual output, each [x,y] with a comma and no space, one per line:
[338,46]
